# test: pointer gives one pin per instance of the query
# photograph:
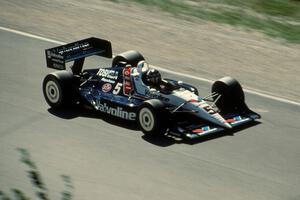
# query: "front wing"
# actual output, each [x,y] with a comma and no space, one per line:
[192,130]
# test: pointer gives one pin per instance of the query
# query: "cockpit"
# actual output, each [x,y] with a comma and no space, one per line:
[151,78]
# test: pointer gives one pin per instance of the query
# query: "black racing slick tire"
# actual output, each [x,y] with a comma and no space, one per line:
[232,96]
[152,118]
[129,57]
[58,89]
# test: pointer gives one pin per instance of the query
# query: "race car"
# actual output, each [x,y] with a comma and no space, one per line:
[131,90]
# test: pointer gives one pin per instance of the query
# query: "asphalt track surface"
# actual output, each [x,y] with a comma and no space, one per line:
[111,159]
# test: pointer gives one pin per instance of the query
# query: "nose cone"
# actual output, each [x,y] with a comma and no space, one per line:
[205,111]
[227,125]
[218,119]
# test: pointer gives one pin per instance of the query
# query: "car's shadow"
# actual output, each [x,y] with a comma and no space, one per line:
[74,112]
[162,141]
[169,140]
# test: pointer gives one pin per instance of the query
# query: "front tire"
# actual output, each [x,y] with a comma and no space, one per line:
[58,89]
[152,118]
[232,96]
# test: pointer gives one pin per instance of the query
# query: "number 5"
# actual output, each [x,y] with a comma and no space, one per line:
[117,88]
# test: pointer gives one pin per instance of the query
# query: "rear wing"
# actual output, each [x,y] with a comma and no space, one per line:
[57,57]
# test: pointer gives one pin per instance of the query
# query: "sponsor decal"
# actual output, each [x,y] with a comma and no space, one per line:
[201,130]
[127,87]
[127,72]
[53,55]
[107,73]
[235,119]
[206,107]
[198,130]
[194,101]
[57,60]
[115,111]
[106,87]
[75,47]
[127,81]
[230,120]
[108,80]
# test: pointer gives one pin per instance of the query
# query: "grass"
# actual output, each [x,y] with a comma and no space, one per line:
[276,18]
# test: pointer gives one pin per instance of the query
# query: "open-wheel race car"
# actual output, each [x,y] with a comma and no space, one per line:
[131,90]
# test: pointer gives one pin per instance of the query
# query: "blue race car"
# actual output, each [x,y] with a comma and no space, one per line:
[131,90]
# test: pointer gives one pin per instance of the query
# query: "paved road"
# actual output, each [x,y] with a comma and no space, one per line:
[108,159]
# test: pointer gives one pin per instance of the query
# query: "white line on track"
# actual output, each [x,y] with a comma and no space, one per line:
[31,35]
[162,69]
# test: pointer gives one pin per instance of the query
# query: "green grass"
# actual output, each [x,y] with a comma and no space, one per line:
[276,18]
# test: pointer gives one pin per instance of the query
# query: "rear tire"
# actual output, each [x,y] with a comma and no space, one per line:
[152,118]
[232,96]
[58,89]
[129,57]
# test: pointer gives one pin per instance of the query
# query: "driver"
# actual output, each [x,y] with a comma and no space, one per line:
[152,78]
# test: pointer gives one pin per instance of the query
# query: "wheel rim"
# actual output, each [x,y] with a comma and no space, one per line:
[52,91]
[146,119]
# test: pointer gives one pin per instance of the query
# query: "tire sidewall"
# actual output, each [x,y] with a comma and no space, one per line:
[147,119]
[152,118]
[232,95]
[53,91]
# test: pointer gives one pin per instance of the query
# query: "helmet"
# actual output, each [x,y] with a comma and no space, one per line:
[152,77]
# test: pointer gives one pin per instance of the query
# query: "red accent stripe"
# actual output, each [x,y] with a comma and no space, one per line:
[230,120]
[198,130]
[193,100]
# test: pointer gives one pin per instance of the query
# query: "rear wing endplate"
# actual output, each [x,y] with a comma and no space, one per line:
[57,57]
